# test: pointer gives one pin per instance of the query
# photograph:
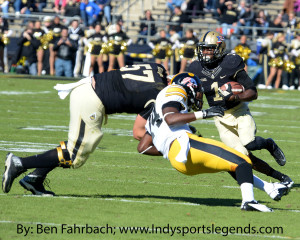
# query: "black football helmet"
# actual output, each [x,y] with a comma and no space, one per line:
[192,84]
[212,40]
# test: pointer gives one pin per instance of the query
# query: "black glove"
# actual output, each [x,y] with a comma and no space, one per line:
[215,111]
[227,93]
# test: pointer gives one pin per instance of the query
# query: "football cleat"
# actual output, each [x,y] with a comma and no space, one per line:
[278,191]
[13,168]
[288,182]
[255,206]
[277,153]
[35,184]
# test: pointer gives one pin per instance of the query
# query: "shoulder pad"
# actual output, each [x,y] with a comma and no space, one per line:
[175,91]
[233,62]
[195,67]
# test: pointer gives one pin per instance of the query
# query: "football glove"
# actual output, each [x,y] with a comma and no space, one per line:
[227,93]
[215,111]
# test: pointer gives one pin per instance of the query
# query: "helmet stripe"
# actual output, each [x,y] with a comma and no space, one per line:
[205,36]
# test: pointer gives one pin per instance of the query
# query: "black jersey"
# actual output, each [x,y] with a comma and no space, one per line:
[188,46]
[279,49]
[117,39]
[95,44]
[130,89]
[227,70]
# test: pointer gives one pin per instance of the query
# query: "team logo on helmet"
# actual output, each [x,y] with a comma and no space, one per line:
[190,82]
[220,39]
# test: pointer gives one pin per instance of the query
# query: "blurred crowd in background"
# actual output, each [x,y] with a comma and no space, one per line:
[94,42]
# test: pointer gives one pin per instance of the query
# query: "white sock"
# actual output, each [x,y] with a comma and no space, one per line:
[262,185]
[247,192]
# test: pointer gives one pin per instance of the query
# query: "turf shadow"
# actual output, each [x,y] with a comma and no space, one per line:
[201,201]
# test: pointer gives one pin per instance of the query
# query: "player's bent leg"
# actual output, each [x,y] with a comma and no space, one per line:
[86,117]
[260,143]
[209,156]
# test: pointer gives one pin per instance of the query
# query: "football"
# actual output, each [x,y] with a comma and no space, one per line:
[235,87]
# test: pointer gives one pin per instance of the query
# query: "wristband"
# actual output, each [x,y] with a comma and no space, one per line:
[199,115]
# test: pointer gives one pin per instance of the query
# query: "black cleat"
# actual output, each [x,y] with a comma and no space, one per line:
[35,184]
[255,206]
[13,169]
[288,182]
[277,153]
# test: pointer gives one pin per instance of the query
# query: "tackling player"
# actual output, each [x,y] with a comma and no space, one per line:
[168,134]
[131,89]
[237,128]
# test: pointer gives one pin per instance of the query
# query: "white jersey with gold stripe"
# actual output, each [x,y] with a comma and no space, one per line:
[163,134]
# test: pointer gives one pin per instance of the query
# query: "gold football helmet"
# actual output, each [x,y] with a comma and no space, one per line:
[211,40]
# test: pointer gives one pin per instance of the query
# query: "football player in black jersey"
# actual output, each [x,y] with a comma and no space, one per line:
[131,89]
[237,127]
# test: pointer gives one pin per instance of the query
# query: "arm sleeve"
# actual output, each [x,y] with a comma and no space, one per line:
[243,78]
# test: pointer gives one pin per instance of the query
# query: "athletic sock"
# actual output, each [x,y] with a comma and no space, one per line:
[262,185]
[48,159]
[247,192]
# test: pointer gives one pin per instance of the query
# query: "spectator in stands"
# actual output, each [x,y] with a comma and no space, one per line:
[41,4]
[221,7]
[60,6]
[211,6]
[228,19]
[162,49]
[76,34]
[277,23]
[95,42]
[4,41]
[120,41]
[72,8]
[38,33]
[291,26]
[171,4]
[179,18]
[246,19]
[277,52]
[195,8]
[173,35]
[89,12]
[4,7]
[24,6]
[28,47]
[186,46]
[288,6]
[106,9]
[56,33]
[297,8]
[262,22]
[147,21]
[64,48]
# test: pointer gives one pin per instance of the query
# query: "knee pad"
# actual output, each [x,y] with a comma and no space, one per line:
[63,155]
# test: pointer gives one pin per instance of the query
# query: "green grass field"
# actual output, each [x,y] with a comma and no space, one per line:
[119,188]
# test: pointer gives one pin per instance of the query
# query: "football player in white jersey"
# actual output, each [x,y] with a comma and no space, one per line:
[168,134]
